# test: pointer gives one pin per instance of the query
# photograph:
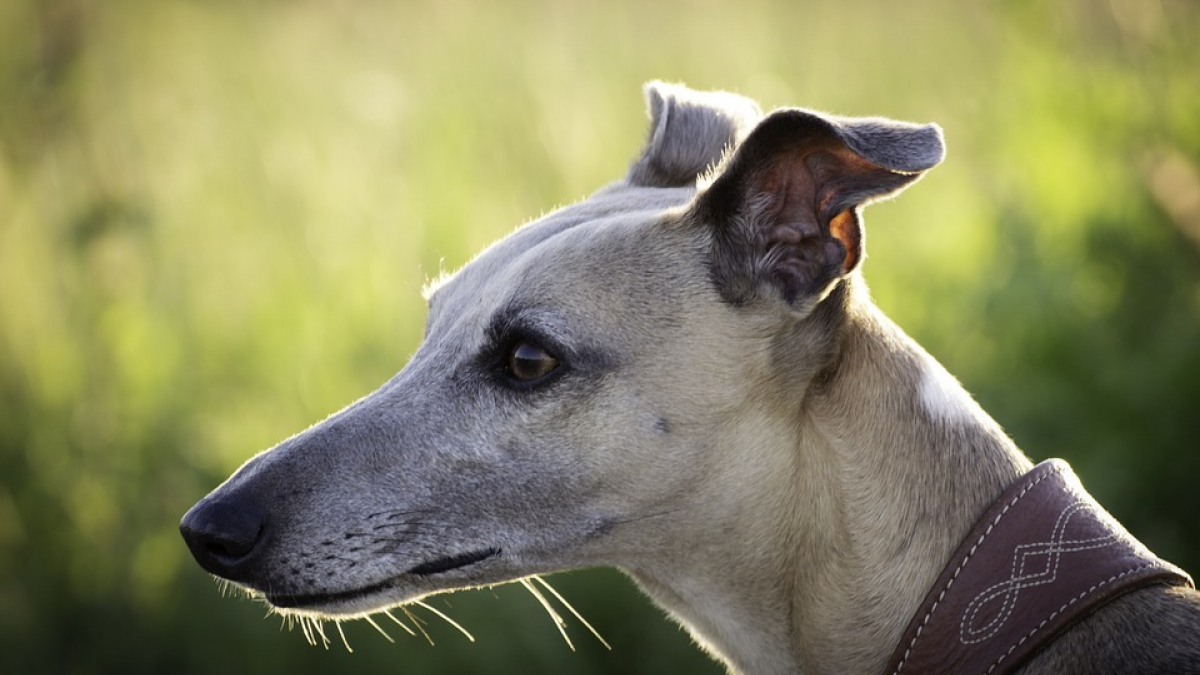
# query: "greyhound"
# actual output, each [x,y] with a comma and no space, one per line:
[682,376]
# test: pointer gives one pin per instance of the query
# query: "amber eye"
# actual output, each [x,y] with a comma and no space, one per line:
[528,362]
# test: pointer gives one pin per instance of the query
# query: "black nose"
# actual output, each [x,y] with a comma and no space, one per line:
[225,535]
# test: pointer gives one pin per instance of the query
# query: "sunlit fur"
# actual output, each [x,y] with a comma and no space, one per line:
[737,426]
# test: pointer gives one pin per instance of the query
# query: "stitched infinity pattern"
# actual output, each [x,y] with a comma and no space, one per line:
[1034,564]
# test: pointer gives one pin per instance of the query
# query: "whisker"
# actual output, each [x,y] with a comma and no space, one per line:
[229,589]
[398,622]
[558,620]
[447,619]
[319,625]
[312,629]
[307,630]
[380,629]
[338,623]
[545,584]
[417,622]
[403,528]
[403,538]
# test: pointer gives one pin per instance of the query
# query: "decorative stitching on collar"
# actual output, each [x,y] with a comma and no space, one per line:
[1067,604]
[975,620]
[1018,580]
[941,596]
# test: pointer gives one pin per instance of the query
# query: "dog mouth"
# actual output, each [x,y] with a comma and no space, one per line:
[426,569]
[453,562]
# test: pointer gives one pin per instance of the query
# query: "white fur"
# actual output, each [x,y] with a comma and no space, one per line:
[942,397]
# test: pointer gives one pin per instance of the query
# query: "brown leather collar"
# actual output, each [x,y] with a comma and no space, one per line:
[1041,557]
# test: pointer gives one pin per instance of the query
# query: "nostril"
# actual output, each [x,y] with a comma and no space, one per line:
[218,549]
[230,548]
[225,535]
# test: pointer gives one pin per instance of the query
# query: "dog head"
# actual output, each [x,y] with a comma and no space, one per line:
[583,381]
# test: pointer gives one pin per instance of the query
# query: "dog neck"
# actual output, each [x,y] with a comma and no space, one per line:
[876,477]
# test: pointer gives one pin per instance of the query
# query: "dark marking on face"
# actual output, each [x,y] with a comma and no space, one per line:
[602,528]
[662,425]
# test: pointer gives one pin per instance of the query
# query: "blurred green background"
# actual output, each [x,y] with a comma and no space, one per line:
[216,218]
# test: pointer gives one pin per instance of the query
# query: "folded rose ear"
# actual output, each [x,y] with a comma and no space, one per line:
[690,132]
[785,207]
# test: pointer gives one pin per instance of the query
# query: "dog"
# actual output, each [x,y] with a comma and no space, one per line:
[682,376]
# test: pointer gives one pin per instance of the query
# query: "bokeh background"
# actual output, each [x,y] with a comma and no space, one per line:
[216,218]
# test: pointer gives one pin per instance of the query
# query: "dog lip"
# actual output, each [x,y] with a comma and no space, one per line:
[453,562]
[429,568]
[310,600]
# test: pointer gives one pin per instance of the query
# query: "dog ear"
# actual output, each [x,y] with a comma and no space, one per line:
[690,132]
[785,207]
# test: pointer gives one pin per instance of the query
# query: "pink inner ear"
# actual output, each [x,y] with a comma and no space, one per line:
[845,228]
[785,204]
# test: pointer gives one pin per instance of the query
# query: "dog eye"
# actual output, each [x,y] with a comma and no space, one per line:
[528,362]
